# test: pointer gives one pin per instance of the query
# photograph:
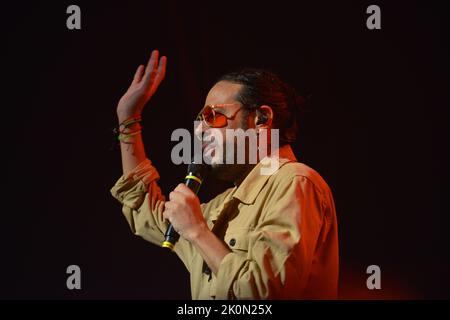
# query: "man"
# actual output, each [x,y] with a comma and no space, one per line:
[271,236]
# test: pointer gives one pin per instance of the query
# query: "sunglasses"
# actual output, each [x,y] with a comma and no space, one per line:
[214,118]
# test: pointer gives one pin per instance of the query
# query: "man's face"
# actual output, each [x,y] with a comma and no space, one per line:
[223,95]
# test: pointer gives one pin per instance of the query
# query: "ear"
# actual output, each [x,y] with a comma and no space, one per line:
[264,117]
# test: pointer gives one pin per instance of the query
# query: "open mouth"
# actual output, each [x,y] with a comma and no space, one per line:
[208,148]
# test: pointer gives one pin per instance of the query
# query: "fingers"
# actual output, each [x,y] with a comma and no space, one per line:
[169,209]
[167,214]
[183,189]
[150,70]
[177,196]
[155,72]
[152,62]
[161,73]
[181,195]
[170,206]
[138,74]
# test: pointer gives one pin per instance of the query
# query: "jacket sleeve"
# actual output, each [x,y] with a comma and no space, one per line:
[143,205]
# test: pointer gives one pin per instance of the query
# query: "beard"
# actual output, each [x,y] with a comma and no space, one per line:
[234,172]
[230,172]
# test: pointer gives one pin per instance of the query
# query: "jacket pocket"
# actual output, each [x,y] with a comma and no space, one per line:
[238,240]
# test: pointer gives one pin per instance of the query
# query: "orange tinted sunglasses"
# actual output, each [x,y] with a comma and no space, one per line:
[216,119]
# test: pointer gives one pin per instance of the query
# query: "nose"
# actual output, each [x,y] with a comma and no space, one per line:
[199,129]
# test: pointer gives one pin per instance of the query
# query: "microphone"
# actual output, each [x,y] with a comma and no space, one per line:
[195,175]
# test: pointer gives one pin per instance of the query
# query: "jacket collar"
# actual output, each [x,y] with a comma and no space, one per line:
[249,189]
[251,186]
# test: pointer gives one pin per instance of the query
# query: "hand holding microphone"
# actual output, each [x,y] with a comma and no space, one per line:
[183,208]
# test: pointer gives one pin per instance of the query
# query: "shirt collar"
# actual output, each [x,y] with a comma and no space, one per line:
[252,185]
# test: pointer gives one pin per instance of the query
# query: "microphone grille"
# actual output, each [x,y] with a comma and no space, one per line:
[198,169]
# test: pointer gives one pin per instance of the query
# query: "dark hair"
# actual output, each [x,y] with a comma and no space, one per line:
[261,87]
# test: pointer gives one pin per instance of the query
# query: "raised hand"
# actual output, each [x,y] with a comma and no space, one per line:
[145,83]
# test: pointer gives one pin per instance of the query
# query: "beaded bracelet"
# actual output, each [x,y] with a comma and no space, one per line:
[122,136]
[130,121]
[119,131]
[127,123]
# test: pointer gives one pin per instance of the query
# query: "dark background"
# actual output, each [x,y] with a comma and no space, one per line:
[376,131]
